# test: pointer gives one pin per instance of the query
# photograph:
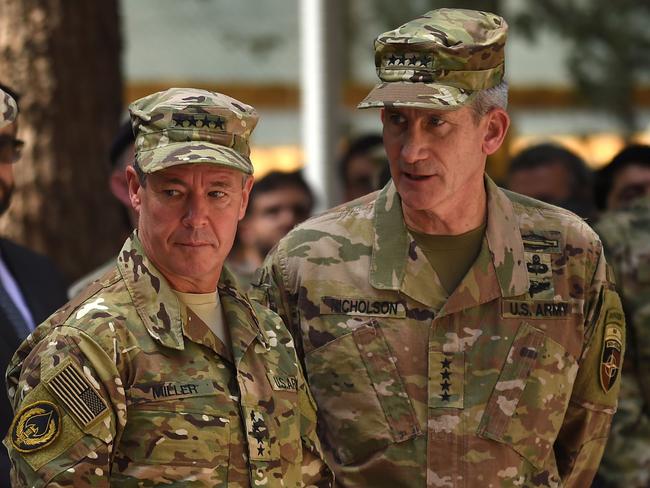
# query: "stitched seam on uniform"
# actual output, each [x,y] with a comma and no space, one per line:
[365,359]
[284,267]
[501,420]
[600,300]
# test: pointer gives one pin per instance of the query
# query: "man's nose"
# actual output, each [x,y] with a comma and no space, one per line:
[196,211]
[415,146]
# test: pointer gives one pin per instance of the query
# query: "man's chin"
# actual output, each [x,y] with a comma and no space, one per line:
[418,201]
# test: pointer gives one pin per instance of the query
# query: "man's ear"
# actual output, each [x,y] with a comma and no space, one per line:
[497,122]
[119,187]
[133,184]
[246,192]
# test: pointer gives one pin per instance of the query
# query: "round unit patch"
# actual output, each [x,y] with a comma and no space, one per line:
[35,426]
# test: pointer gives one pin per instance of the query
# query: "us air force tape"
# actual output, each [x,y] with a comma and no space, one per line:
[35,426]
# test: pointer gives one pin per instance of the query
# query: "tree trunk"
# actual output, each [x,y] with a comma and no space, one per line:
[63,57]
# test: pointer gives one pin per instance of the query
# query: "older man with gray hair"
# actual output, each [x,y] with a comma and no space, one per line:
[453,334]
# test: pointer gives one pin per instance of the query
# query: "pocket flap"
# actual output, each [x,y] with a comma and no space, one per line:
[511,383]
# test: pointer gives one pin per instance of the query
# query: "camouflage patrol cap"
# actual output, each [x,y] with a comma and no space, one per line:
[439,60]
[8,109]
[187,125]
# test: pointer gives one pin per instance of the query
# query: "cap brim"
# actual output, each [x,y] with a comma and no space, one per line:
[418,95]
[190,152]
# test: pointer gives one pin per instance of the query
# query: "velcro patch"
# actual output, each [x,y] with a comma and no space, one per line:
[74,391]
[542,241]
[366,307]
[283,382]
[35,426]
[170,390]
[535,309]
[610,359]
[540,275]
[258,435]
[446,379]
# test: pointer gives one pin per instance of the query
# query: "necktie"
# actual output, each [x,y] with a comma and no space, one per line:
[13,314]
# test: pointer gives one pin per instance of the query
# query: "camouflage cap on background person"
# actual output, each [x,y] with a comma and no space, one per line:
[8,109]
[439,60]
[187,125]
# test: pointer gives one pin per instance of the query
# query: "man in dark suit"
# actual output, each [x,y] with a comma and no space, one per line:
[30,287]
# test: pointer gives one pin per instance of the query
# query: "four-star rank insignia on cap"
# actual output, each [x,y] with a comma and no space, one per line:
[35,426]
[610,359]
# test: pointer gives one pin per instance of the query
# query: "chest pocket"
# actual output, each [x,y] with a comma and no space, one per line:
[182,425]
[527,405]
[360,395]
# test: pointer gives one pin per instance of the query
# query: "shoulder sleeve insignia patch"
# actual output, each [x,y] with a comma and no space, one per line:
[610,359]
[35,426]
[76,393]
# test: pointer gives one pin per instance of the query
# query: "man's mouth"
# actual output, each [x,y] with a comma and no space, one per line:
[193,243]
[414,177]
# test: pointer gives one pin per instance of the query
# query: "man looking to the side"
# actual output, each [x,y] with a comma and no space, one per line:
[453,334]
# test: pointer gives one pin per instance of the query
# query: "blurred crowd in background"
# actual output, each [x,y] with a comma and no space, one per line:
[283,195]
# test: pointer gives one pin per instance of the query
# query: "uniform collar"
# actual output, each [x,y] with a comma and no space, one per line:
[241,319]
[153,298]
[506,245]
[166,319]
[397,264]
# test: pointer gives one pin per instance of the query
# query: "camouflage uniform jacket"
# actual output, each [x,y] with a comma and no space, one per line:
[626,237]
[496,385]
[136,389]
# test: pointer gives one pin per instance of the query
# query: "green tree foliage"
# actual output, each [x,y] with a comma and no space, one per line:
[610,42]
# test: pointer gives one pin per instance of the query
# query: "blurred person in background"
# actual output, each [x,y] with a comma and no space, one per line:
[554,174]
[31,288]
[120,156]
[278,202]
[361,166]
[625,178]
[625,232]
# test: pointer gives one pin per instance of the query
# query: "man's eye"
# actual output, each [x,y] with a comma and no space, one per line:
[216,194]
[435,121]
[171,192]
[396,119]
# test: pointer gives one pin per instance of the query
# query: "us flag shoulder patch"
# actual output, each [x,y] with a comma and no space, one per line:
[77,394]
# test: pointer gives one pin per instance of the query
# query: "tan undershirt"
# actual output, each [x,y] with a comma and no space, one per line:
[207,307]
[451,256]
